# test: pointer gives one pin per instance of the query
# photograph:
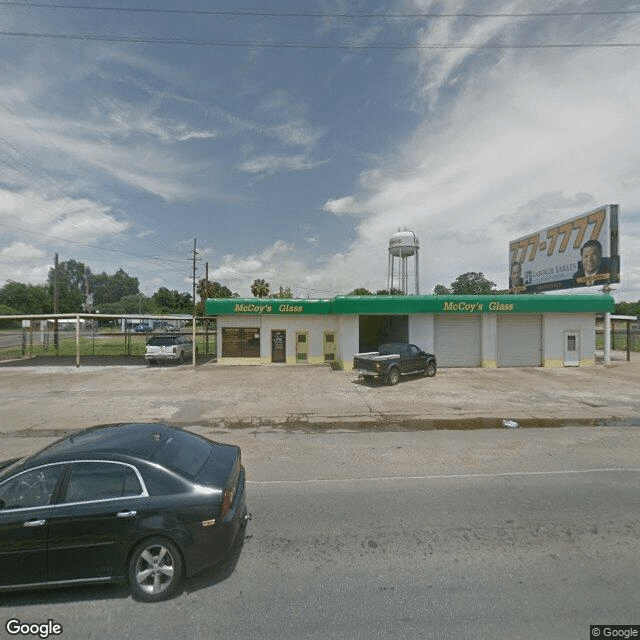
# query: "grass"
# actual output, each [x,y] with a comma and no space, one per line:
[100,344]
[619,341]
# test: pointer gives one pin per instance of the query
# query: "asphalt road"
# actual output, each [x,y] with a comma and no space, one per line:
[379,512]
[486,534]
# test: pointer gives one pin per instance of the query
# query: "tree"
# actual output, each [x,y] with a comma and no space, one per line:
[360,291]
[73,280]
[628,308]
[171,301]
[138,303]
[260,288]
[470,283]
[26,298]
[206,290]
[282,292]
[213,290]
[107,289]
[390,292]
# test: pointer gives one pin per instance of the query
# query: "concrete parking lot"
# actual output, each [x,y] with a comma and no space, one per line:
[49,401]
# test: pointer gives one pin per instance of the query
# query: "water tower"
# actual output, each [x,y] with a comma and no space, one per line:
[402,271]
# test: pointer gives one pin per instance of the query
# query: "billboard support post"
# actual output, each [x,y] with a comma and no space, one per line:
[607,338]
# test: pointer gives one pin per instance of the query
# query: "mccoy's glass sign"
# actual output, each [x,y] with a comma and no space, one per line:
[580,252]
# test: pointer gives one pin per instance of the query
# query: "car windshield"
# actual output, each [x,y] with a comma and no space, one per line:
[162,341]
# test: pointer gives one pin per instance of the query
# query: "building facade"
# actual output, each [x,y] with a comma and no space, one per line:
[463,331]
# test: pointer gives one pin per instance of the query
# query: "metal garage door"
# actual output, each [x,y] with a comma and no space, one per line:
[520,341]
[458,341]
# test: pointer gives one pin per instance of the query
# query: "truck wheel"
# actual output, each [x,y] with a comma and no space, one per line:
[393,376]
[430,371]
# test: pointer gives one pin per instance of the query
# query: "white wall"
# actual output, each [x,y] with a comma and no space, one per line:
[553,327]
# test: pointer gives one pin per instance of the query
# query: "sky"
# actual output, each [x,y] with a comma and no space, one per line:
[291,140]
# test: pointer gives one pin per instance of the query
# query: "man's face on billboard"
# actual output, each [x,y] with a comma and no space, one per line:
[591,259]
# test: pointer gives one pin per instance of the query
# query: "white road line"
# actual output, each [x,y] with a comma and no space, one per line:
[460,476]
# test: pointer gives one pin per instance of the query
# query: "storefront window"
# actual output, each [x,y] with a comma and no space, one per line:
[240,342]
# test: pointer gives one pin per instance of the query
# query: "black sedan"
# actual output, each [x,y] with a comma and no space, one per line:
[143,503]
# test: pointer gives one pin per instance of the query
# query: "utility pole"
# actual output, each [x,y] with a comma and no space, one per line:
[204,302]
[56,302]
[195,253]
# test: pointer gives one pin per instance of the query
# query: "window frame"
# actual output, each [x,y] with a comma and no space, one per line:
[62,502]
[53,498]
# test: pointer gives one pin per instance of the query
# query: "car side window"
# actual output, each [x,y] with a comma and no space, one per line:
[32,488]
[414,350]
[90,481]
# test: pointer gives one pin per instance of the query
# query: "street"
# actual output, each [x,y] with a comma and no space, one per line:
[485,534]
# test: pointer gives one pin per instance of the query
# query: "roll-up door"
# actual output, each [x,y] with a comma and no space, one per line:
[458,341]
[520,341]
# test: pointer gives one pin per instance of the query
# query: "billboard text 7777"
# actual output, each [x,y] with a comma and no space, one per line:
[579,252]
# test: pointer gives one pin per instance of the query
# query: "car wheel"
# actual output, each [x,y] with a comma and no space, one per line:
[430,371]
[181,358]
[155,570]
[393,377]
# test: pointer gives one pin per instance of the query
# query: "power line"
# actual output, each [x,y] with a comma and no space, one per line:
[252,13]
[90,246]
[310,45]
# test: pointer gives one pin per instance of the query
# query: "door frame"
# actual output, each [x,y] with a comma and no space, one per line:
[571,356]
[274,333]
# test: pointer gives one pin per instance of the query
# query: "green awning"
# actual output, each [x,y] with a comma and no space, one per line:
[404,305]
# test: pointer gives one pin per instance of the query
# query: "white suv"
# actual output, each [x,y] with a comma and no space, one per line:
[169,347]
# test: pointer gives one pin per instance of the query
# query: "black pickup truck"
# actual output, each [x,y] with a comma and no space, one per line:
[393,360]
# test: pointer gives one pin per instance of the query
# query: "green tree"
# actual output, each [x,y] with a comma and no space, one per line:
[260,288]
[206,290]
[72,285]
[628,308]
[167,301]
[282,292]
[213,290]
[390,292]
[8,311]
[470,283]
[107,289]
[132,304]
[360,291]
[26,298]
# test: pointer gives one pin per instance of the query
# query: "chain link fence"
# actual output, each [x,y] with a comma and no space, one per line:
[104,338]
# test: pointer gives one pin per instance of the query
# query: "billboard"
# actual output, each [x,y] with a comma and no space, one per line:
[580,252]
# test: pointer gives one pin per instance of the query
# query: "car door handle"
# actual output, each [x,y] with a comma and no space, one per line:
[34,523]
[126,514]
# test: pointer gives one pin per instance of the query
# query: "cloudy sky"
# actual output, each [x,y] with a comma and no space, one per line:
[291,140]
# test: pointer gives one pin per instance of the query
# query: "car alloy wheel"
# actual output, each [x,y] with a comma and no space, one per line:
[393,376]
[155,570]
[430,371]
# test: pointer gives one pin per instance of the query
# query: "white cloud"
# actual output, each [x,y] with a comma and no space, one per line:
[270,164]
[23,262]
[528,138]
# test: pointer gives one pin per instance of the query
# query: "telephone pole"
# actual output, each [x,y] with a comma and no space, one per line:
[56,303]
[204,311]
[195,253]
